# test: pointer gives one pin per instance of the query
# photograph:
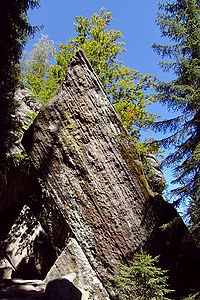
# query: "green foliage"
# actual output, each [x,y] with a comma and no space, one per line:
[179,21]
[36,65]
[124,86]
[22,160]
[142,279]
[15,29]
[192,296]
[21,156]
[149,146]
[28,120]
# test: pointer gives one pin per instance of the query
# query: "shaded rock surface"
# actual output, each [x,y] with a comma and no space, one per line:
[62,289]
[17,183]
[90,172]
[58,289]
[18,289]
[26,251]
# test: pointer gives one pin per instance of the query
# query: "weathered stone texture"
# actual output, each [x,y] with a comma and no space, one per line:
[72,263]
[27,105]
[154,173]
[77,147]
[90,171]
[16,182]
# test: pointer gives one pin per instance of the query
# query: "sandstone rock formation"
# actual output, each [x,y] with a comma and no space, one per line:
[90,172]
[154,173]
[27,106]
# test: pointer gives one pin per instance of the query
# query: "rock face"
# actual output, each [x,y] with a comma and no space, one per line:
[73,263]
[153,171]
[27,107]
[17,184]
[90,172]
[27,251]
[89,167]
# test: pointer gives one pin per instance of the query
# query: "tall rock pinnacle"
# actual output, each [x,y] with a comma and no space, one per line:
[90,171]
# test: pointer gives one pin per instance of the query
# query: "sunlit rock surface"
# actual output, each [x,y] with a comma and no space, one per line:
[73,264]
[91,173]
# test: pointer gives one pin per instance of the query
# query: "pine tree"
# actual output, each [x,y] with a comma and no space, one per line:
[142,279]
[179,22]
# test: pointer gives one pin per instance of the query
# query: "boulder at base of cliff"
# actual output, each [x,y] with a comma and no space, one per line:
[62,289]
[73,264]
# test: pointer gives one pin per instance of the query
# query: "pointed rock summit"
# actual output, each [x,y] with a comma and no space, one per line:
[90,171]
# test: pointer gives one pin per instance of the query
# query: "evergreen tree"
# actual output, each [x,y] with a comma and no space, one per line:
[15,30]
[142,279]
[179,21]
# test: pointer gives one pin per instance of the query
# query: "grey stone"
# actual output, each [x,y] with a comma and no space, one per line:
[27,106]
[73,265]
[6,268]
[155,175]
[78,147]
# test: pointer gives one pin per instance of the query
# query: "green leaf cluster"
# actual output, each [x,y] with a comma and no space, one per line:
[124,86]
[36,66]
[142,279]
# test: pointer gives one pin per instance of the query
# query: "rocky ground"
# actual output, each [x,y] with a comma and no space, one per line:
[17,289]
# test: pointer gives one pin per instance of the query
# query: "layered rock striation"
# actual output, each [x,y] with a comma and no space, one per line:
[90,172]
[90,169]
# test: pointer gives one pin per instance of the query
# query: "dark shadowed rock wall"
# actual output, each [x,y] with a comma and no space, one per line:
[17,181]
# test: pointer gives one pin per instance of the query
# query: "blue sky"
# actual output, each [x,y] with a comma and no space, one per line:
[135,19]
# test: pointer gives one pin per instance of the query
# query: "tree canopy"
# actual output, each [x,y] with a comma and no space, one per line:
[124,86]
